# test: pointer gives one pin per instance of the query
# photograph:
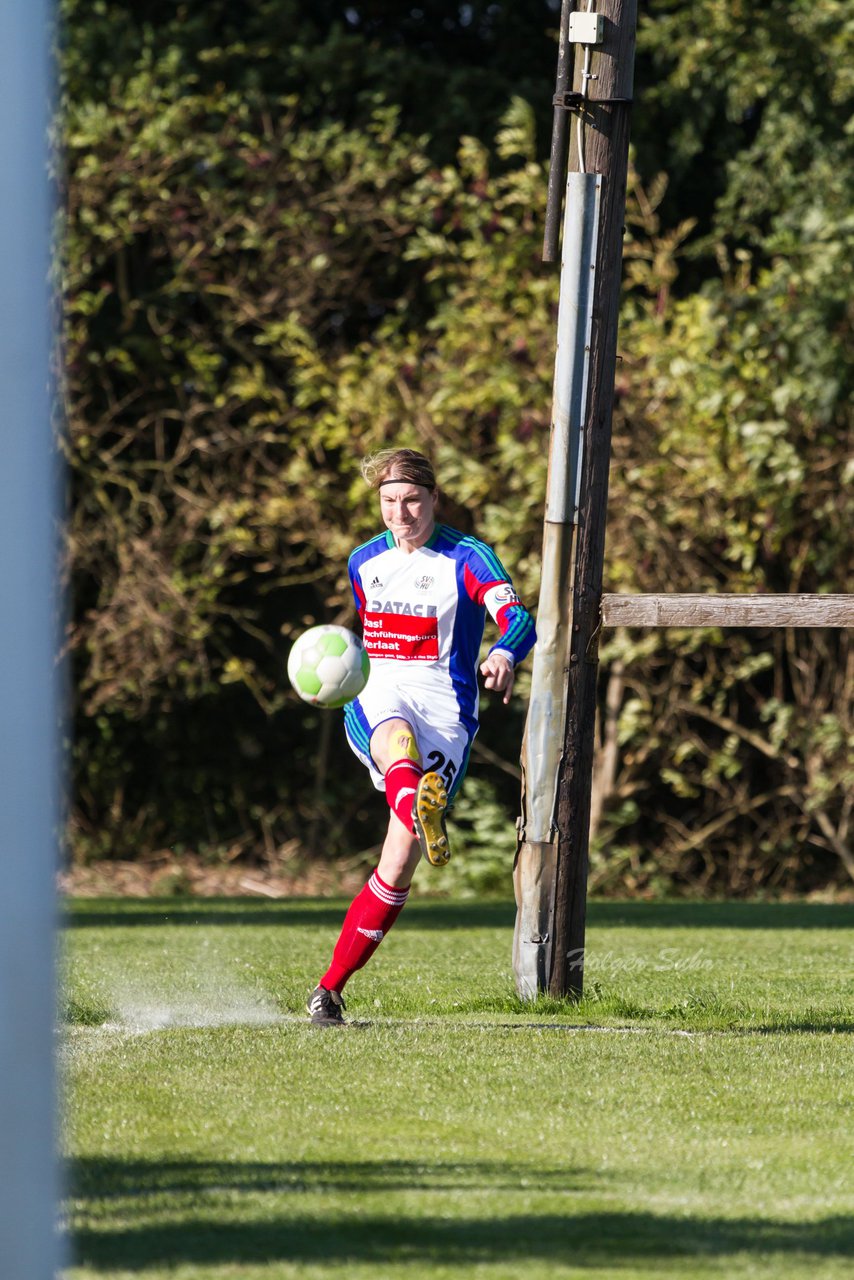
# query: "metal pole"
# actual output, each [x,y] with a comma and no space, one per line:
[557,160]
[572,357]
[28,772]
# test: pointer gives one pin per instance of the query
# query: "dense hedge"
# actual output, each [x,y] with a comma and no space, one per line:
[276,255]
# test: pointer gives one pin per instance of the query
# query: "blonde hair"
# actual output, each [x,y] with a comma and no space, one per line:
[406,465]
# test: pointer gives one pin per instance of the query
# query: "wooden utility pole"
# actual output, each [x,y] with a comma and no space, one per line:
[550,874]
[551,864]
[604,148]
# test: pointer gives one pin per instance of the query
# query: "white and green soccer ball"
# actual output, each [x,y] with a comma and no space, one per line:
[328,666]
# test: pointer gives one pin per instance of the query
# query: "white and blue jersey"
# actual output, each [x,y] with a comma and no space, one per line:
[423,614]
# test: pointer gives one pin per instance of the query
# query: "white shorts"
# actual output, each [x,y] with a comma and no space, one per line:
[444,743]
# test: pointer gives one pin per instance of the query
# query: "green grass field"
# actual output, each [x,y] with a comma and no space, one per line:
[691,1117]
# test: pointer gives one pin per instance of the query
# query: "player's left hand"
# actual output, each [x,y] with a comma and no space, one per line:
[498,674]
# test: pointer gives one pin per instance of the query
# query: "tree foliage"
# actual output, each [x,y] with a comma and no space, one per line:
[262,282]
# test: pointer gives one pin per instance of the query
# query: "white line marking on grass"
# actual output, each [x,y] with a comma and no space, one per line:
[448,1024]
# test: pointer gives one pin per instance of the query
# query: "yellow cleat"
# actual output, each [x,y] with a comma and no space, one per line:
[428,816]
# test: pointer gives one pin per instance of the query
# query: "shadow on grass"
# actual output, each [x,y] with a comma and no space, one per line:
[486,914]
[723,915]
[97,1179]
[348,1235]
[308,912]
[589,1239]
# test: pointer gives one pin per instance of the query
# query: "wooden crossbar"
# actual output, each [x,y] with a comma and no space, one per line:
[676,610]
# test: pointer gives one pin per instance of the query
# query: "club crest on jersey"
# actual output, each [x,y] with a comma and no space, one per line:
[424,584]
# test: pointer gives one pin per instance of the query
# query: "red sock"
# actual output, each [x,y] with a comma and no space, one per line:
[401,783]
[372,913]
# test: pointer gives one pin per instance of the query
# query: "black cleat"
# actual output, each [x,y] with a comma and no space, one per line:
[325,1008]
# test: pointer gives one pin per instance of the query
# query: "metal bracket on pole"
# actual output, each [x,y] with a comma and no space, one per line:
[574,101]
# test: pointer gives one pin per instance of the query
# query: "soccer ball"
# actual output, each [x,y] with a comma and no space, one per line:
[328,666]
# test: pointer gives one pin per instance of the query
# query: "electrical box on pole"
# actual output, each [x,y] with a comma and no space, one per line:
[586,28]
[550,874]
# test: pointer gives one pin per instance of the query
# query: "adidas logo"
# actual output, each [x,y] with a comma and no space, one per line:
[376,935]
[376,584]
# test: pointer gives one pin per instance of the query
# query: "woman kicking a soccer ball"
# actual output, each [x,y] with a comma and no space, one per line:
[422,591]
